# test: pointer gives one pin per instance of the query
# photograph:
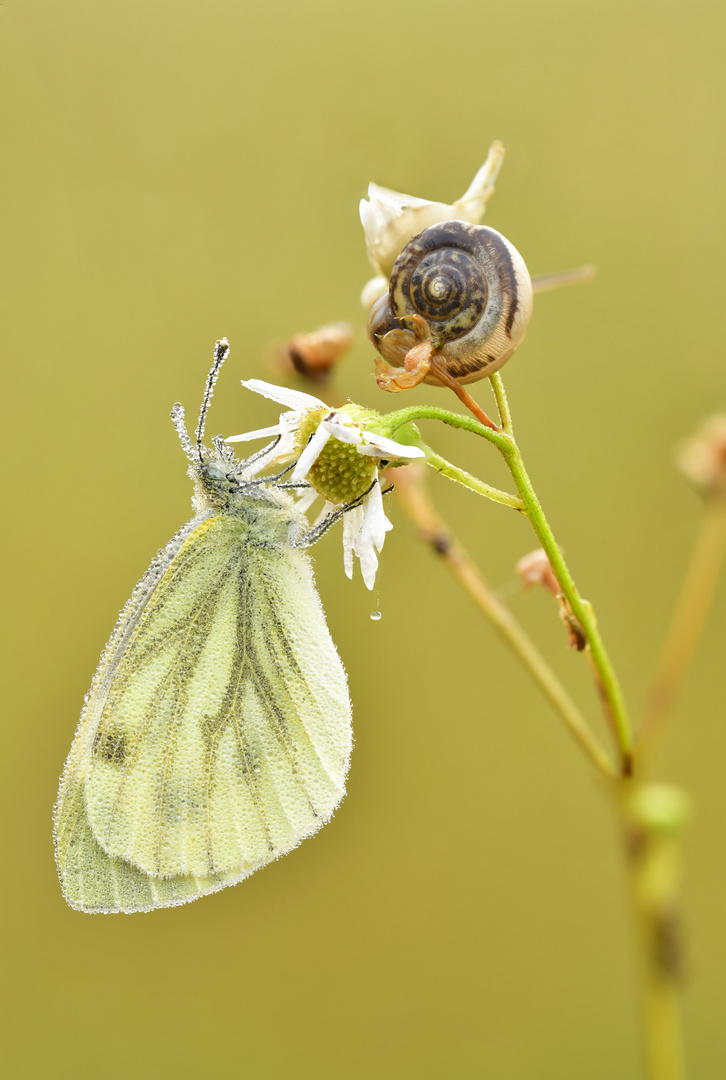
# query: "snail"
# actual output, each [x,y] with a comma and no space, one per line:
[462,289]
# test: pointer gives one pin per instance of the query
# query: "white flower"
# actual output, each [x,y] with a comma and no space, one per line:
[364,531]
[285,431]
[365,524]
[391,218]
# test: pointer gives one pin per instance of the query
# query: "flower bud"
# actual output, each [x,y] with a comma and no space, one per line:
[660,808]
[536,569]
[390,218]
[702,458]
[316,355]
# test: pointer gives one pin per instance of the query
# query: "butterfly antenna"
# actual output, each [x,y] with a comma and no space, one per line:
[221,352]
[177,416]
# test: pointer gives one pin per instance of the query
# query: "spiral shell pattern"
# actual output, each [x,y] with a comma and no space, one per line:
[474,291]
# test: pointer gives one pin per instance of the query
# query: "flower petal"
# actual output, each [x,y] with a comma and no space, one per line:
[306,499]
[341,431]
[368,565]
[279,451]
[372,290]
[376,524]
[381,446]
[471,205]
[283,395]
[390,218]
[352,523]
[328,508]
[310,454]
[261,433]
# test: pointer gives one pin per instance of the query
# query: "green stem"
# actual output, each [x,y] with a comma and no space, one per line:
[472,482]
[395,420]
[654,862]
[504,441]
[607,680]
[502,404]
[412,494]
[521,645]
[653,817]
[664,1041]
[654,856]
[582,611]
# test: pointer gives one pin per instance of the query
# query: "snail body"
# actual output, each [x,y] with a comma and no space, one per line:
[472,289]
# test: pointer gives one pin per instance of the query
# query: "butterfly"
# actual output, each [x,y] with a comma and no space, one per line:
[216,734]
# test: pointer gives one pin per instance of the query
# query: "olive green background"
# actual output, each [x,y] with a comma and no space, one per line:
[178,171]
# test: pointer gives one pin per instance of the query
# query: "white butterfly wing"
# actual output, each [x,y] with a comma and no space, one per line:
[217,731]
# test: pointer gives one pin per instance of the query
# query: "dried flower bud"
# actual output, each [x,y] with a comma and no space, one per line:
[315,355]
[391,218]
[702,458]
[536,569]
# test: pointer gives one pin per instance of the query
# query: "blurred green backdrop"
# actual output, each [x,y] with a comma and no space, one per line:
[179,171]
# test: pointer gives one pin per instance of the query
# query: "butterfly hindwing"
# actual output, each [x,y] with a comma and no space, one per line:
[217,731]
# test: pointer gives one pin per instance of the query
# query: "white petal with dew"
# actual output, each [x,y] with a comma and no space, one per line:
[310,454]
[261,433]
[376,524]
[341,431]
[306,499]
[283,395]
[328,508]
[368,564]
[279,451]
[286,446]
[352,523]
[381,446]
[286,431]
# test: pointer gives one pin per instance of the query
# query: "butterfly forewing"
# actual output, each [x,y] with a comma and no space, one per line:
[217,731]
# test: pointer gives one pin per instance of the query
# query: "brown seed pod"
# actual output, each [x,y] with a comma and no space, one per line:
[473,290]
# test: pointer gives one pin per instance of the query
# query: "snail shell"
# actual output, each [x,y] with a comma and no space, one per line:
[474,291]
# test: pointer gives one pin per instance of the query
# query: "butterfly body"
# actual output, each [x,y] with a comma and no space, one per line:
[216,734]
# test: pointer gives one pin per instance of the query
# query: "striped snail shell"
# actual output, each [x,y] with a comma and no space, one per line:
[474,291]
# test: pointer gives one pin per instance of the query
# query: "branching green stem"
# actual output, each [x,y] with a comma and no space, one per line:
[412,494]
[504,441]
[653,848]
[608,682]
[396,420]
[502,404]
[472,482]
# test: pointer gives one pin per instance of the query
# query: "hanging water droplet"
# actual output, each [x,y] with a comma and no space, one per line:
[375,615]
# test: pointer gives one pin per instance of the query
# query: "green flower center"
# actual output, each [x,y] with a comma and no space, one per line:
[340,474]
